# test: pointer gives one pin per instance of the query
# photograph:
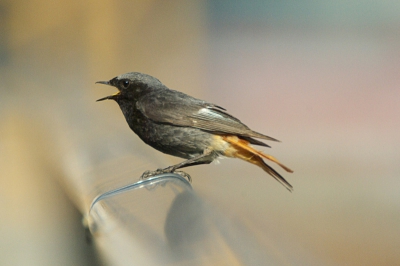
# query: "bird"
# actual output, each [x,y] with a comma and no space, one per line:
[177,124]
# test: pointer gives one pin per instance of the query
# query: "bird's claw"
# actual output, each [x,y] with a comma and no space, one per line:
[145,175]
[184,175]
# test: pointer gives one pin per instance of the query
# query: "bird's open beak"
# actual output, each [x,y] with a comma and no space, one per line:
[111,97]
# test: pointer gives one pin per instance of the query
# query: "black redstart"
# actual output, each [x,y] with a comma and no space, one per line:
[180,125]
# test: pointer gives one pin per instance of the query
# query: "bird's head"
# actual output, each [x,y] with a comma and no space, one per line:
[130,85]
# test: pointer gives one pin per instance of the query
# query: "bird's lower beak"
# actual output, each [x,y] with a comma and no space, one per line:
[111,97]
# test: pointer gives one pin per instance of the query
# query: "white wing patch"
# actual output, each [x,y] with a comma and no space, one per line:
[209,112]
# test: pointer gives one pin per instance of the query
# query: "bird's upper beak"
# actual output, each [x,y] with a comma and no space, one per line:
[111,97]
[104,82]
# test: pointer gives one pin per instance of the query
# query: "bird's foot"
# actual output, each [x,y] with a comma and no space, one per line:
[170,169]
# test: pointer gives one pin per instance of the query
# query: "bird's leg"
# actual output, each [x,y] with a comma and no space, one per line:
[205,158]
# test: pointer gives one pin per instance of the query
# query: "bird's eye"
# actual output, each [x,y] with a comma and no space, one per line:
[125,83]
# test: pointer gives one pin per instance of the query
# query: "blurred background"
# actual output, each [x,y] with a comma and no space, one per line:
[321,76]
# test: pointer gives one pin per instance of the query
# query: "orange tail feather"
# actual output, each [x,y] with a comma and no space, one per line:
[245,152]
[246,146]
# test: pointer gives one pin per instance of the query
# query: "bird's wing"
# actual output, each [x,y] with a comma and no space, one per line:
[176,108]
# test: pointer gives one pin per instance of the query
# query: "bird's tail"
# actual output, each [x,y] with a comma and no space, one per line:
[243,150]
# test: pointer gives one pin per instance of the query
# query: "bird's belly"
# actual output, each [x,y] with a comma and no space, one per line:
[184,142]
